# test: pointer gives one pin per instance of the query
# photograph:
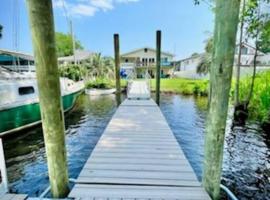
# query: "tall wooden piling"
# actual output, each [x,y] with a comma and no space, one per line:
[158,56]
[117,68]
[43,38]
[226,20]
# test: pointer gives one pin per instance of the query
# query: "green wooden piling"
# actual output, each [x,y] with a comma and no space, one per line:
[117,68]
[43,38]
[227,16]
[158,52]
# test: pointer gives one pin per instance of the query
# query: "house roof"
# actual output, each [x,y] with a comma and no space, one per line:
[192,57]
[250,46]
[79,55]
[149,48]
[16,54]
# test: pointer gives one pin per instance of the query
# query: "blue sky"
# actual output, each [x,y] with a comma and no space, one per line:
[185,27]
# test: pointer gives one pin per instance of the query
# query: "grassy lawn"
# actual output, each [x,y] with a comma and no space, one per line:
[182,86]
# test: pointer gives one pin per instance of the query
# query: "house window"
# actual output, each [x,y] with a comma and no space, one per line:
[145,50]
[126,60]
[26,90]
[244,50]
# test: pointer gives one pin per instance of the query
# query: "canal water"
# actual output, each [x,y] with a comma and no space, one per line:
[246,168]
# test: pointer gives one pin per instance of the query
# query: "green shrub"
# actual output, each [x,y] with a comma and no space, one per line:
[100,84]
[259,106]
[73,72]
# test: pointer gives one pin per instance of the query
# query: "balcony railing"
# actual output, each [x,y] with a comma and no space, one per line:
[144,64]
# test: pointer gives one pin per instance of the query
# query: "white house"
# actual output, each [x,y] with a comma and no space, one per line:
[79,57]
[144,59]
[247,59]
[189,63]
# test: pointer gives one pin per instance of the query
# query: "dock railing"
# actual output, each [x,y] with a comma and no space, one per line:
[148,81]
[130,78]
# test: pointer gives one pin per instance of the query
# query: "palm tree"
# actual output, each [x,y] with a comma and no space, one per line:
[204,65]
[99,67]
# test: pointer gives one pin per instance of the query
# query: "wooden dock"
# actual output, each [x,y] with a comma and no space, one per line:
[138,157]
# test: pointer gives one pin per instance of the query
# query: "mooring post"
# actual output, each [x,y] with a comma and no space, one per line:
[43,38]
[226,20]
[3,168]
[117,68]
[158,52]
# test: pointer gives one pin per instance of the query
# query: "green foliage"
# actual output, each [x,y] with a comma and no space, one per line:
[183,86]
[73,72]
[264,39]
[205,63]
[194,54]
[100,83]
[101,67]
[64,45]
[259,106]
[257,23]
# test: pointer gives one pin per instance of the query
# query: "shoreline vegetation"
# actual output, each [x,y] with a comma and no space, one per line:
[259,106]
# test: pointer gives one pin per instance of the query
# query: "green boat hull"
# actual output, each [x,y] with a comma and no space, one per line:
[18,118]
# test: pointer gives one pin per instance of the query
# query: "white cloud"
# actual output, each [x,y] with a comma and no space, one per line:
[83,10]
[103,4]
[126,1]
[80,8]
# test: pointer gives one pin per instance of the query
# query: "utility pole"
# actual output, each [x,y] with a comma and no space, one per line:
[226,21]
[158,52]
[117,68]
[43,38]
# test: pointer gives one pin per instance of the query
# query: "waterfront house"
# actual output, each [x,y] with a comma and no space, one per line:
[247,59]
[144,59]
[79,57]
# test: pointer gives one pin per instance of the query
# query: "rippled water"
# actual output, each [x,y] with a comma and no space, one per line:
[246,167]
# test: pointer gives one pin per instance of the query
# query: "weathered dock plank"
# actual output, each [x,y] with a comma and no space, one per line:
[138,192]
[138,157]
[13,197]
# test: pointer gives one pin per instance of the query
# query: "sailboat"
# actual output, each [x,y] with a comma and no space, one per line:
[19,102]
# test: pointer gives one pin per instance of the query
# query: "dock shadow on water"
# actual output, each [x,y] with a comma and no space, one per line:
[246,168]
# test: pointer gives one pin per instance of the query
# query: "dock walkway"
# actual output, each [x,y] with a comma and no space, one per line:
[138,157]
[139,90]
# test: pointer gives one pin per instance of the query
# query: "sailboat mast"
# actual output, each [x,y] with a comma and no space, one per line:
[73,41]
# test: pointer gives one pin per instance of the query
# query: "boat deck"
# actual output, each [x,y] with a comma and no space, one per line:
[138,157]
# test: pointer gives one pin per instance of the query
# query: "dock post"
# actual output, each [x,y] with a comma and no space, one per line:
[158,52]
[43,38]
[117,68]
[3,168]
[226,20]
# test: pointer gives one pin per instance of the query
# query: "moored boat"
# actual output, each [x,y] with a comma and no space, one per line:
[19,103]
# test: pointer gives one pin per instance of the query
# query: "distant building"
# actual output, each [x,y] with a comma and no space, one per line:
[16,61]
[189,63]
[144,59]
[247,59]
[79,58]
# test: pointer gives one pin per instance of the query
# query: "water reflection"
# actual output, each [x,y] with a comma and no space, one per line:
[246,168]
[25,154]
